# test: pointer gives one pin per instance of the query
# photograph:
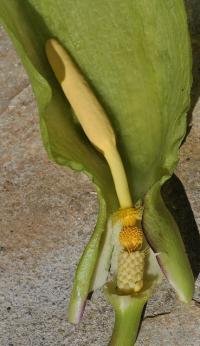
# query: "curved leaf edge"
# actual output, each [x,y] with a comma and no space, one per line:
[163,236]
[86,266]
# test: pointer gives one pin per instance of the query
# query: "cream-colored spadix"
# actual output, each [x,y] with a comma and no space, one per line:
[90,114]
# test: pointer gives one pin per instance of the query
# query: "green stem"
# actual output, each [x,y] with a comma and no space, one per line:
[128,311]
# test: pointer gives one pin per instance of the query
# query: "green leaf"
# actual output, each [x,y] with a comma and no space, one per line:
[136,56]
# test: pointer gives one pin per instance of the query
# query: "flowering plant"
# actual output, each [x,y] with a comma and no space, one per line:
[136,58]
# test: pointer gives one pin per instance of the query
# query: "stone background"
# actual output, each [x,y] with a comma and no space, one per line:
[47,214]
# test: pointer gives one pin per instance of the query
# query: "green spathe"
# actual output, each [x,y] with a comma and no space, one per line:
[138,62]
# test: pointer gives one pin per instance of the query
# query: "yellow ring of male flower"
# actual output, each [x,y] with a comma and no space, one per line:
[131,238]
[128,216]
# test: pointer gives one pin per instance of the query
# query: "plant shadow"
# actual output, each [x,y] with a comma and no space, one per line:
[177,202]
[193,13]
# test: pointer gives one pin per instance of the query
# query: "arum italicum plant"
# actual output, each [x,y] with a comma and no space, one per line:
[123,128]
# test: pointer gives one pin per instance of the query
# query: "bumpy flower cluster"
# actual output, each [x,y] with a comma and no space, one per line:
[131,259]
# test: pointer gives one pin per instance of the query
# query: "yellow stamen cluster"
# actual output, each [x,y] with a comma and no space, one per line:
[131,235]
[128,216]
[131,238]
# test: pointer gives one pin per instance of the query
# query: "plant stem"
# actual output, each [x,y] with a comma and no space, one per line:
[119,177]
[128,311]
[126,326]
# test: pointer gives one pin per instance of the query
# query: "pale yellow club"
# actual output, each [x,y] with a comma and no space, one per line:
[90,114]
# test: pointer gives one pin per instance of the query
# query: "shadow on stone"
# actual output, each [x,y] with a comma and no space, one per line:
[195,91]
[177,202]
[193,13]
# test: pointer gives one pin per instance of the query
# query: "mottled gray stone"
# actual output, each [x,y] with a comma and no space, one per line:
[47,216]
[180,327]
